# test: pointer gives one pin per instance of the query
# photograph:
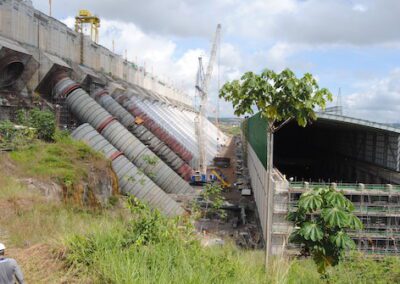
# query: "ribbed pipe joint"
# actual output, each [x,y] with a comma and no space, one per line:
[115,155]
[99,93]
[105,123]
[65,86]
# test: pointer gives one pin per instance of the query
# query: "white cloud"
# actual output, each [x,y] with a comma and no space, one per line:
[261,34]
[158,54]
[378,100]
[312,22]
[360,8]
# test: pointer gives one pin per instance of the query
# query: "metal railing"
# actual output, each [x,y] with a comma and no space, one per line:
[345,186]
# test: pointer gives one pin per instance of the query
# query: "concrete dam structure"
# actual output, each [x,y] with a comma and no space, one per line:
[143,125]
[358,157]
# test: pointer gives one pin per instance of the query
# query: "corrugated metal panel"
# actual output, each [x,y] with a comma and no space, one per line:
[131,179]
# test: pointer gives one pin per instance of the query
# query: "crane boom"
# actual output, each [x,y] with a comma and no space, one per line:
[211,62]
[202,85]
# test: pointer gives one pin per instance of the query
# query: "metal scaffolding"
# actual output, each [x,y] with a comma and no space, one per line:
[377,206]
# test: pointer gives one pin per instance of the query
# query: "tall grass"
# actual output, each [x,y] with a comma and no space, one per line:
[153,249]
[30,218]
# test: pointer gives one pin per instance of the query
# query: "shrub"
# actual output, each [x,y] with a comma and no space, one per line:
[321,220]
[43,120]
[14,138]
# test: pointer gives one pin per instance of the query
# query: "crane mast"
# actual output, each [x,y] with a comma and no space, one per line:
[202,85]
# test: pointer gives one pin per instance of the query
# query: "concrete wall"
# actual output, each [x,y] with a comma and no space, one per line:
[280,227]
[35,30]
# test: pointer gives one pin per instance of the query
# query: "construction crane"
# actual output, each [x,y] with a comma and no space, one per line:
[202,85]
[86,18]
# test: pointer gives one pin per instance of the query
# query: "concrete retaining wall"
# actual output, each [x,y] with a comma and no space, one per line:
[36,31]
[280,227]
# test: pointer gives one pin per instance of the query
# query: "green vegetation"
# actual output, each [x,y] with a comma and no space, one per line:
[358,268]
[212,195]
[66,161]
[280,97]
[321,220]
[150,248]
[232,130]
[12,138]
[42,120]
[57,242]
[33,124]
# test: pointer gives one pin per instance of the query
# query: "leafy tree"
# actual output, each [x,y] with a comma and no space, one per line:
[321,219]
[280,97]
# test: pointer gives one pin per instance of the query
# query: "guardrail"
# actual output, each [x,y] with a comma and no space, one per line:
[345,186]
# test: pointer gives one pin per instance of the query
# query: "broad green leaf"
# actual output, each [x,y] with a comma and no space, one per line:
[310,201]
[335,217]
[354,222]
[342,240]
[336,199]
[311,231]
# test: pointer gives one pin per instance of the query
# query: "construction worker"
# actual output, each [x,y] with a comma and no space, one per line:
[9,269]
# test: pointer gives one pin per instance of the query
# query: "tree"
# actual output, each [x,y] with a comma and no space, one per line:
[280,97]
[212,195]
[321,219]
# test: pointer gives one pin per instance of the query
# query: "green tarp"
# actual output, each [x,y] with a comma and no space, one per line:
[255,130]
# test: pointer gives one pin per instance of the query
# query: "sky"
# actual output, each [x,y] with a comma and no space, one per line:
[353,45]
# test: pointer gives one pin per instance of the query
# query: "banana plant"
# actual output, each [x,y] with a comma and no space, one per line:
[321,219]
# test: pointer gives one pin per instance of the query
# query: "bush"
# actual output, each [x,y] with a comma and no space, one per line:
[15,138]
[359,268]
[43,120]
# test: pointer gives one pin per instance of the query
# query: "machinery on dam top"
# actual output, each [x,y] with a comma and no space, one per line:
[86,18]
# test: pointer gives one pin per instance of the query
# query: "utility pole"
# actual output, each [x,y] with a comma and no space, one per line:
[50,8]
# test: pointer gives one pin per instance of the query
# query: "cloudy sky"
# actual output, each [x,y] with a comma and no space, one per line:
[349,44]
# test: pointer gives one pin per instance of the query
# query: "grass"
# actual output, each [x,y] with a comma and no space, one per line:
[230,129]
[56,242]
[150,248]
[66,160]
[33,228]
[30,218]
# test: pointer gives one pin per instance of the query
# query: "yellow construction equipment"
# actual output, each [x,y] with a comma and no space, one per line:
[224,184]
[86,18]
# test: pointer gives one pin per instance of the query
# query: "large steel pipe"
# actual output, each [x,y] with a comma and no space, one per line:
[131,180]
[142,133]
[177,128]
[153,126]
[86,109]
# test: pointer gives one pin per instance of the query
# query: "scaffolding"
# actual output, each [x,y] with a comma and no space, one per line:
[377,206]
